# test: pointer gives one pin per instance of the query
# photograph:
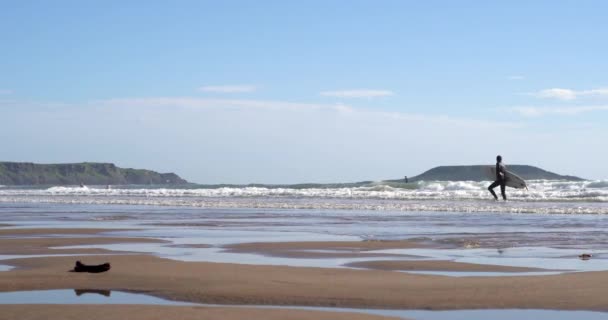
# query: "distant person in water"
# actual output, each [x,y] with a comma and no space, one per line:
[500,179]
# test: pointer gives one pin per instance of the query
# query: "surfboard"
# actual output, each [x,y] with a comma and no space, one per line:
[512,180]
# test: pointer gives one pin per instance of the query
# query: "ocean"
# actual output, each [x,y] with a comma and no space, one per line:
[542,197]
[552,222]
[546,227]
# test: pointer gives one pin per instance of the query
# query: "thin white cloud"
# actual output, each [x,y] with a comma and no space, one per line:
[5,91]
[557,93]
[358,93]
[569,94]
[188,102]
[440,120]
[242,88]
[595,92]
[529,111]
[345,110]
[516,77]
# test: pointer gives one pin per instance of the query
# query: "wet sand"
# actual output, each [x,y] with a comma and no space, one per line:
[42,241]
[439,265]
[327,245]
[222,283]
[140,312]
[31,246]
[55,231]
[325,249]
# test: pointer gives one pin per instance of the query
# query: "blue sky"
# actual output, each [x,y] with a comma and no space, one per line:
[310,91]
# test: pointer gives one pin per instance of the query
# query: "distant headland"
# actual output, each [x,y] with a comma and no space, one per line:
[441,173]
[92,173]
[478,173]
[88,173]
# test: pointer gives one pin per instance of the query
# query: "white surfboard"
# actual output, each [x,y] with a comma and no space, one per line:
[512,180]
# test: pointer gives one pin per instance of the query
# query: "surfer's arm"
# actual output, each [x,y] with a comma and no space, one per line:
[501,171]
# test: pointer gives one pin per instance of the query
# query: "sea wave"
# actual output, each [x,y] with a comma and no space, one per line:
[542,196]
[470,206]
[538,190]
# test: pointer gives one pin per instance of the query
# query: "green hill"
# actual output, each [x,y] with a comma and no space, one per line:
[478,173]
[24,173]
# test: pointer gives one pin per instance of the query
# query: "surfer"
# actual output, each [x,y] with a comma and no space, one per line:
[500,179]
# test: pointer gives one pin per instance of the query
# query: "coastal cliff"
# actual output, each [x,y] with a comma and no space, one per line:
[91,173]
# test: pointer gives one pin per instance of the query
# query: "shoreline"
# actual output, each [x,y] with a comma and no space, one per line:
[224,283]
[239,290]
[149,312]
[515,205]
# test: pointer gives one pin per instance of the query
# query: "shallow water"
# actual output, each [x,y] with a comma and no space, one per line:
[5,267]
[525,240]
[543,260]
[489,229]
[531,257]
[485,314]
[82,296]
[95,296]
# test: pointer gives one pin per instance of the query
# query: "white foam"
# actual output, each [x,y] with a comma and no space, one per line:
[543,196]
[433,190]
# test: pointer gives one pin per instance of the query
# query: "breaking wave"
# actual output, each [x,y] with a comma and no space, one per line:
[543,196]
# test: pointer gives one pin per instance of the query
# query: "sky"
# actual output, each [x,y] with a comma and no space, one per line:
[305,91]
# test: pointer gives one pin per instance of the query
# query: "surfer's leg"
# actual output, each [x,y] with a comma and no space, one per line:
[503,185]
[491,189]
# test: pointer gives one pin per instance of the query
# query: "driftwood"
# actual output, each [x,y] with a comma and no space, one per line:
[80,292]
[81,267]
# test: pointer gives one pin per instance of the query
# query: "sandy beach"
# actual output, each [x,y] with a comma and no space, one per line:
[324,249]
[140,312]
[438,265]
[218,283]
[241,284]
[377,277]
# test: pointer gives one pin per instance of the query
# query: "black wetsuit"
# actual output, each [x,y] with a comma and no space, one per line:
[500,180]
